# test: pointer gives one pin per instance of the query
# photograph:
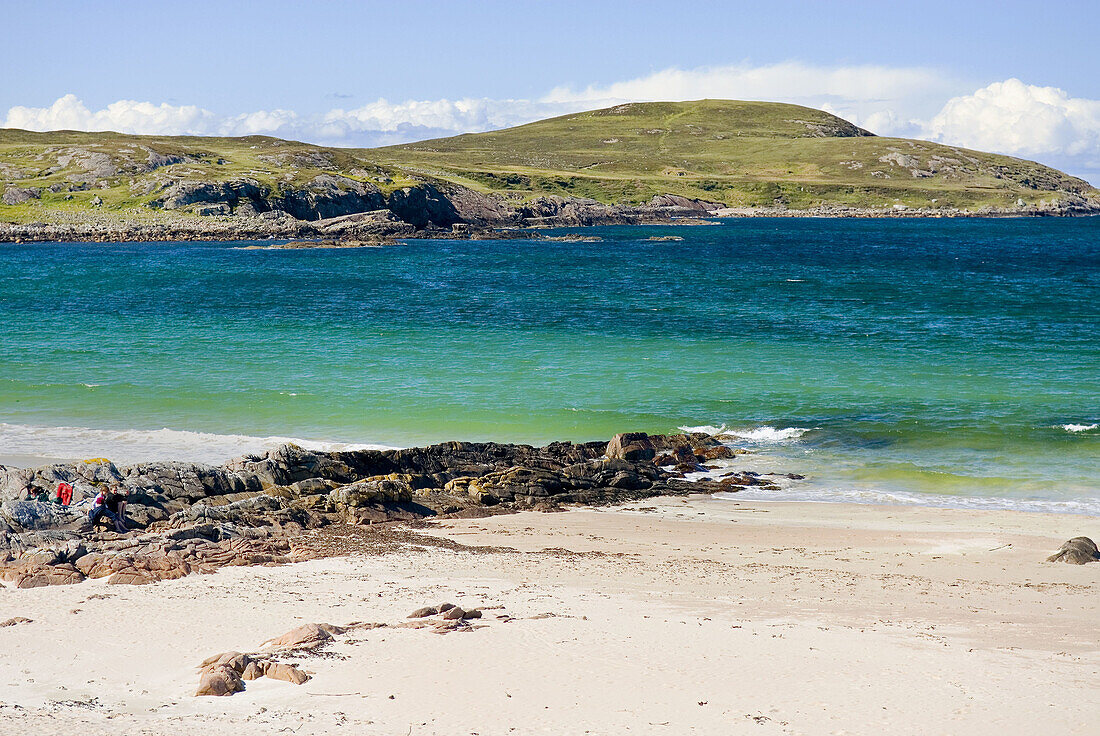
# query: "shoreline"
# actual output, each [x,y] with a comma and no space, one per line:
[370,229]
[750,456]
[669,615]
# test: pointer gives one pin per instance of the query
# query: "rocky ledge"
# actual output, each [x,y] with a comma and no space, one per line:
[260,509]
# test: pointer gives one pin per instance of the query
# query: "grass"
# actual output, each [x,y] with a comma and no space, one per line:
[742,154]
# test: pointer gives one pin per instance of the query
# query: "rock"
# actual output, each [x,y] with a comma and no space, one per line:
[285,672]
[33,575]
[327,196]
[631,446]
[235,661]
[36,515]
[424,612]
[15,621]
[1076,551]
[471,614]
[252,671]
[16,195]
[306,636]
[423,205]
[444,607]
[453,614]
[220,682]
[719,452]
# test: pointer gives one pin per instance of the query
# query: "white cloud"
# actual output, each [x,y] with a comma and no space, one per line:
[1007,117]
[129,116]
[1022,119]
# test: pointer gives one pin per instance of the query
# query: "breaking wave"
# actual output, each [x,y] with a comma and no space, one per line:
[125,446]
[760,435]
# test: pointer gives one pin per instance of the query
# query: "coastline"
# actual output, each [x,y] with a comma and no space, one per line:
[373,228]
[671,615]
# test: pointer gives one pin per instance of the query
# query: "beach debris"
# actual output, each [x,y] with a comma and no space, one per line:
[15,621]
[1076,551]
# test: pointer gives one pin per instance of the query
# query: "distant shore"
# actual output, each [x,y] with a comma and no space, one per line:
[380,227]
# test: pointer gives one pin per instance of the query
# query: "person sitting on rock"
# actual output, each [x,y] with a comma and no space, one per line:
[64,494]
[37,494]
[116,502]
[100,508]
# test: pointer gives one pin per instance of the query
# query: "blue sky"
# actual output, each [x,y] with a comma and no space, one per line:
[1016,77]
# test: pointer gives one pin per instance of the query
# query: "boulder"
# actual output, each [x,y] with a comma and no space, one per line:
[1076,551]
[220,682]
[40,576]
[285,672]
[424,612]
[306,636]
[633,447]
[17,195]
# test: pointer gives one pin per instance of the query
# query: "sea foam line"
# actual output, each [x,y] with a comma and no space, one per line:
[125,446]
[762,435]
[1077,427]
[1082,506]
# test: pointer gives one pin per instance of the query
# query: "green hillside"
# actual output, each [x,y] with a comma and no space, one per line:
[741,154]
[737,153]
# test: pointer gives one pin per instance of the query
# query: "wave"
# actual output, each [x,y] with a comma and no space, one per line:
[761,435]
[1080,506]
[1077,427]
[125,446]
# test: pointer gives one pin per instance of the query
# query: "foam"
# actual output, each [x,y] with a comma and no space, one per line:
[760,435]
[1078,427]
[1083,506]
[126,446]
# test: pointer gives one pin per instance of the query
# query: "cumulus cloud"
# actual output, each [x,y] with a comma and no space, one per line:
[1021,119]
[1007,117]
[129,116]
[376,123]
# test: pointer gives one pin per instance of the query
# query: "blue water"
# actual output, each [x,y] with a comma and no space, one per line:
[907,358]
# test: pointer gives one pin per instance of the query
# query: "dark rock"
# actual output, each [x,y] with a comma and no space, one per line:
[423,205]
[17,195]
[1077,551]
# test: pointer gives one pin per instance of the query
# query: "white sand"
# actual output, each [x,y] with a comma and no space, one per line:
[703,617]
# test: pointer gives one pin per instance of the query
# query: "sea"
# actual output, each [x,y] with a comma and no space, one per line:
[946,362]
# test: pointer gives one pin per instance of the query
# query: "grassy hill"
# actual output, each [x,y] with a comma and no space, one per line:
[741,154]
[738,153]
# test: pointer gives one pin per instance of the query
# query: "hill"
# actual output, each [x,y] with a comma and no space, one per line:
[742,154]
[759,157]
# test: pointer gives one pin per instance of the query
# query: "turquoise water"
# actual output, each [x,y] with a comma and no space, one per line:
[947,357]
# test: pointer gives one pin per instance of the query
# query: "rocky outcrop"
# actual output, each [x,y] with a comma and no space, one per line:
[423,205]
[19,195]
[327,196]
[254,510]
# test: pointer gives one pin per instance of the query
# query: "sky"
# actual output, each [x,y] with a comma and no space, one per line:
[1021,78]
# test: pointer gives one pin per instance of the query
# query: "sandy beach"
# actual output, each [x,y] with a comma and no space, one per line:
[671,616]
